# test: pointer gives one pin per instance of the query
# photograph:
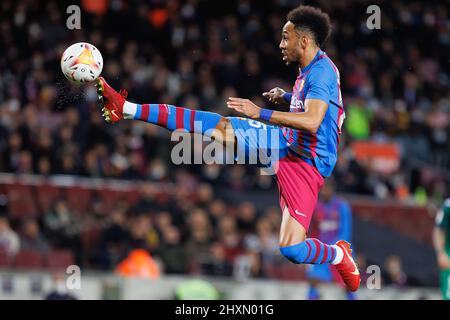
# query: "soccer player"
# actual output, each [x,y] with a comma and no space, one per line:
[333,222]
[441,237]
[303,149]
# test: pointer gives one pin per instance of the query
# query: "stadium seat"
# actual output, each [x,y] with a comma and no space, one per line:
[133,196]
[232,253]
[59,259]
[5,260]
[29,259]
[109,197]
[78,198]
[46,194]
[21,201]
[291,272]
[90,238]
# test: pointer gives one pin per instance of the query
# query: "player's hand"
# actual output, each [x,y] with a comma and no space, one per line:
[245,107]
[275,95]
[443,261]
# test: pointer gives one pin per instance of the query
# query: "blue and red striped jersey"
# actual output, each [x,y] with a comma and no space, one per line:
[318,80]
[333,220]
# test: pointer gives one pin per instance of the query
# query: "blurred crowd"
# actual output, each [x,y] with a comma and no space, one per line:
[195,54]
[183,233]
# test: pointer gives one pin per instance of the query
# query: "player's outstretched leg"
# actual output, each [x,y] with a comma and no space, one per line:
[116,108]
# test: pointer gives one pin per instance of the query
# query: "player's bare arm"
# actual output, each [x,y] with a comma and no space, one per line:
[309,120]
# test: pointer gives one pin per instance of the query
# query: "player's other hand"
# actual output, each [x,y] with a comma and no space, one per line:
[443,261]
[275,95]
[245,107]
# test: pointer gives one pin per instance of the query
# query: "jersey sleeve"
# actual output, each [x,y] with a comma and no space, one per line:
[287,96]
[320,83]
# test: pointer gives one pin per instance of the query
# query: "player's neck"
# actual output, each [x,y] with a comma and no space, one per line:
[308,57]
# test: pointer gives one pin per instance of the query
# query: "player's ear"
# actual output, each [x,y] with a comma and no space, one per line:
[304,41]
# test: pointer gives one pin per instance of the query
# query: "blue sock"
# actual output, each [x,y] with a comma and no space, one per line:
[313,293]
[311,251]
[351,295]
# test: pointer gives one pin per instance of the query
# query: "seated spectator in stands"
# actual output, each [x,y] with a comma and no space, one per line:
[139,263]
[62,226]
[248,265]
[246,216]
[147,202]
[273,214]
[114,240]
[217,209]
[199,239]
[229,236]
[96,216]
[142,233]
[204,195]
[199,220]
[9,240]
[264,241]
[31,237]
[393,272]
[163,220]
[59,290]
[216,263]
[172,252]
[256,266]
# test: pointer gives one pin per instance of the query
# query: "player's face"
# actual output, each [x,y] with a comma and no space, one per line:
[290,44]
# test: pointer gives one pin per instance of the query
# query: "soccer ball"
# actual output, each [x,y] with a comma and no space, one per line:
[82,62]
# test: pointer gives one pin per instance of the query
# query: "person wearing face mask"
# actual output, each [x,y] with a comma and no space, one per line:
[59,289]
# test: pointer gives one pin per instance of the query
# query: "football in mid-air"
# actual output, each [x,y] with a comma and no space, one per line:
[82,62]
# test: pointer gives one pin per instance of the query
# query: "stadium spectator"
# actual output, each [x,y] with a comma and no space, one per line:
[229,236]
[114,240]
[59,289]
[172,252]
[394,274]
[264,242]
[31,237]
[9,240]
[139,263]
[216,264]
[62,226]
